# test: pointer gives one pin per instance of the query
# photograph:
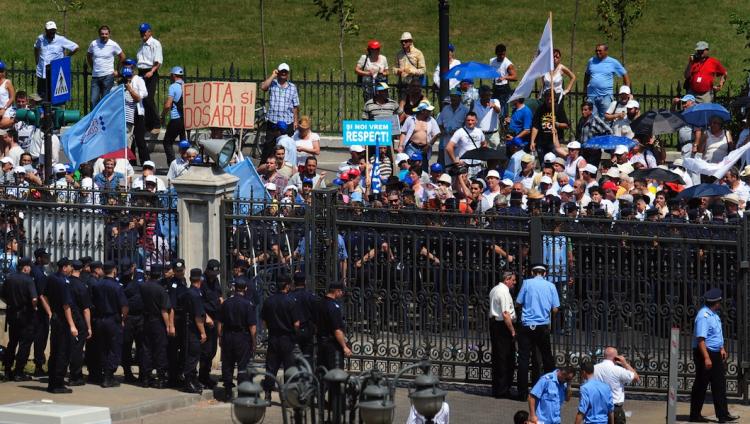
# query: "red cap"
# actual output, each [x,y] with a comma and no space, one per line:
[373,44]
[344,176]
[354,172]
[609,185]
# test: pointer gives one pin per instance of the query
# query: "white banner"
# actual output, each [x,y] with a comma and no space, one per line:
[543,63]
[716,170]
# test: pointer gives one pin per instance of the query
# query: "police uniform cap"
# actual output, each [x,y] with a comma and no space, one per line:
[213,266]
[196,274]
[64,261]
[713,295]
[239,264]
[539,267]
[87,260]
[22,262]
[299,278]
[95,264]
[178,264]
[335,286]
[77,264]
[126,266]
[108,267]
[40,252]
[156,270]
[516,195]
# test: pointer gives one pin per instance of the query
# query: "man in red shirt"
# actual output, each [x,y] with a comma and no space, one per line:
[700,73]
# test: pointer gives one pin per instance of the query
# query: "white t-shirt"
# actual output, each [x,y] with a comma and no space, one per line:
[465,140]
[451,120]
[486,115]
[619,126]
[615,376]
[501,301]
[502,69]
[140,184]
[102,55]
[367,65]
[307,143]
[453,82]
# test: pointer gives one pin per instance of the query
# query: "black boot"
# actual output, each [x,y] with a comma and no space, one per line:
[129,377]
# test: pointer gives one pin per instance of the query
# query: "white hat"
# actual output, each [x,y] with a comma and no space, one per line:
[621,149]
[559,160]
[677,162]
[50,25]
[283,67]
[552,192]
[745,171]
[406,36]
[7,159]
[149,163]
[506,182]
[270,186]
[626,198]
[574,145]
[493,174]
[591,169]
[19,170]
[291,187]
[549,157]
[567,188]
[546,180]
[87,183]
[445,178]
[632,104]
[401,157]
[58,168]
[151,179]
[613,172]
[625,168]
[732,198]
[357,148]
[624,89]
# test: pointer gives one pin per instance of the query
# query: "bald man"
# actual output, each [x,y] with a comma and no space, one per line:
[616,372]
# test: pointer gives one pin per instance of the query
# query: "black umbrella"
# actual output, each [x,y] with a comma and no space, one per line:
[703,190]
[657,122]
[657,174]
[485,154]
[741,101]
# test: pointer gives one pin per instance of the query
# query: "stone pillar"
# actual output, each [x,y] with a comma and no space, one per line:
[200,191]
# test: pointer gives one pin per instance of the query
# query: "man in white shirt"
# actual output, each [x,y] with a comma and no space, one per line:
[452,61]
[450,119]
[149,170]
[10,144]
[468,137]
[507,72]
[138,86]
[616,372]
[502,335]
[48,47]
[487,110]
[150,59]
[617,112]
[181,164]
[103,69]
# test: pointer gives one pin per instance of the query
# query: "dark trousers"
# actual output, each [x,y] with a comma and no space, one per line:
[76,352]
[41,88]
[208,352]
[92,355]
[330,354]
[139,138]
[279,354]
[59,357]
[529,341]
[109,338]
[703,377]
[21,336]
[175,131]
[154,351]
[176,352]
[236,350]
[192,355]
[149,105]
[503,357]
[41,334]
[619,413]
[305,341]
[132,333]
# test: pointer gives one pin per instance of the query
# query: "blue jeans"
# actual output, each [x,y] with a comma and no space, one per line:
[100,86]
[410,149]
[601,103]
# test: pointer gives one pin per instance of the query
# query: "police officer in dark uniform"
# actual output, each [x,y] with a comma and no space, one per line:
[81,310]
[133,330]
[156,307]
[236,327]
[63,328]
[709,356]
[176,286]
[43,315]
[306,303]
[280,316]
[332,346]
[213,297]
[92,354]
[111,309]
[194,314]
[20,296]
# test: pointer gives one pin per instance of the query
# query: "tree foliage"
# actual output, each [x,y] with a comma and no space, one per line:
[742,26]
[343,12]
[65,6]
[619,16]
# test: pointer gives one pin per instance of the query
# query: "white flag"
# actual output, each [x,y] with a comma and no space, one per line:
[717,170]
[543,63]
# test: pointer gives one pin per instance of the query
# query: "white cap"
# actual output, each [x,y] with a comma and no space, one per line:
[406,36]
[149,163]
[549,157]
[357,148]
[591,169]
[506,182]
[546,180]
[493,174]
[574,145]
[621,149]
[625,168]
[552,192]
[624,89]
[19,170]
[567,188]
[7,159]
[560,161]
[58,168]
[151,179]
[283,67]
[613,172]
[50,25]
[626,197]
[677,162]
[270,186]
[87,183]
[632,104]
[401,157]
[445,178]
[290,187]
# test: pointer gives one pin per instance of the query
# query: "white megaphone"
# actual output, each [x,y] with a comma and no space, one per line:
[219,150]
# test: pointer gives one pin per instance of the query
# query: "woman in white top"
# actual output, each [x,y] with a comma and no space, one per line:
[7,97]
[574,161]
[556,77]
[371,68]
[716,142]
[308,142]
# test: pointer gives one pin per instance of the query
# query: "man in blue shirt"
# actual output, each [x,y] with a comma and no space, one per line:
[596,405]
[48,47]
[548,395]
[173,106]
[539,300]
[599,80]
[519,122]
[709,356]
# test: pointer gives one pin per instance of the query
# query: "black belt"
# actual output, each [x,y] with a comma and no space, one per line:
[489,132]
[619,405]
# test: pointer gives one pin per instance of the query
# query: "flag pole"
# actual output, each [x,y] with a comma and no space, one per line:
[124,105]
[552,85]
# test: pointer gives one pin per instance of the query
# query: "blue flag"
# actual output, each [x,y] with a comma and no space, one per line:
[375,180]
[100,132]
[250,185]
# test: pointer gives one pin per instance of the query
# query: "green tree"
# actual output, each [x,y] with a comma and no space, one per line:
[743,28]
[619,15]
[65,6]
[343,11]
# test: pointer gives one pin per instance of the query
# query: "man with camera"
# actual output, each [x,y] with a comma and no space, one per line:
[135,92]
[616,372]
[700,73]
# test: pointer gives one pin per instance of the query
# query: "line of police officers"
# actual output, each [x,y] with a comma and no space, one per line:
[95,312]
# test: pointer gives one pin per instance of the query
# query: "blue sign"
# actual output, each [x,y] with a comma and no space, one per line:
[60,88]
[366,133]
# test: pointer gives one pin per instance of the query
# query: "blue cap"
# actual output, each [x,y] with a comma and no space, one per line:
[307,181]
[2,65]
[282,125]
[436,167]
[451,48]
[356,196]
[338,182]
[69,168]
[688,98]
[713,295]
[469,80]
[408,181]
[177,70]
[126,72]
[129,62]
[415,156]
[184,145]
[198,160]
[144,27]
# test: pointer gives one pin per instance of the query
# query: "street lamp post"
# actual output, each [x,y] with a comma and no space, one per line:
[443,24]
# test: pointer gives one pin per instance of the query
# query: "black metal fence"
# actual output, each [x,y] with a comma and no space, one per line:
[328,98]
[418,281]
